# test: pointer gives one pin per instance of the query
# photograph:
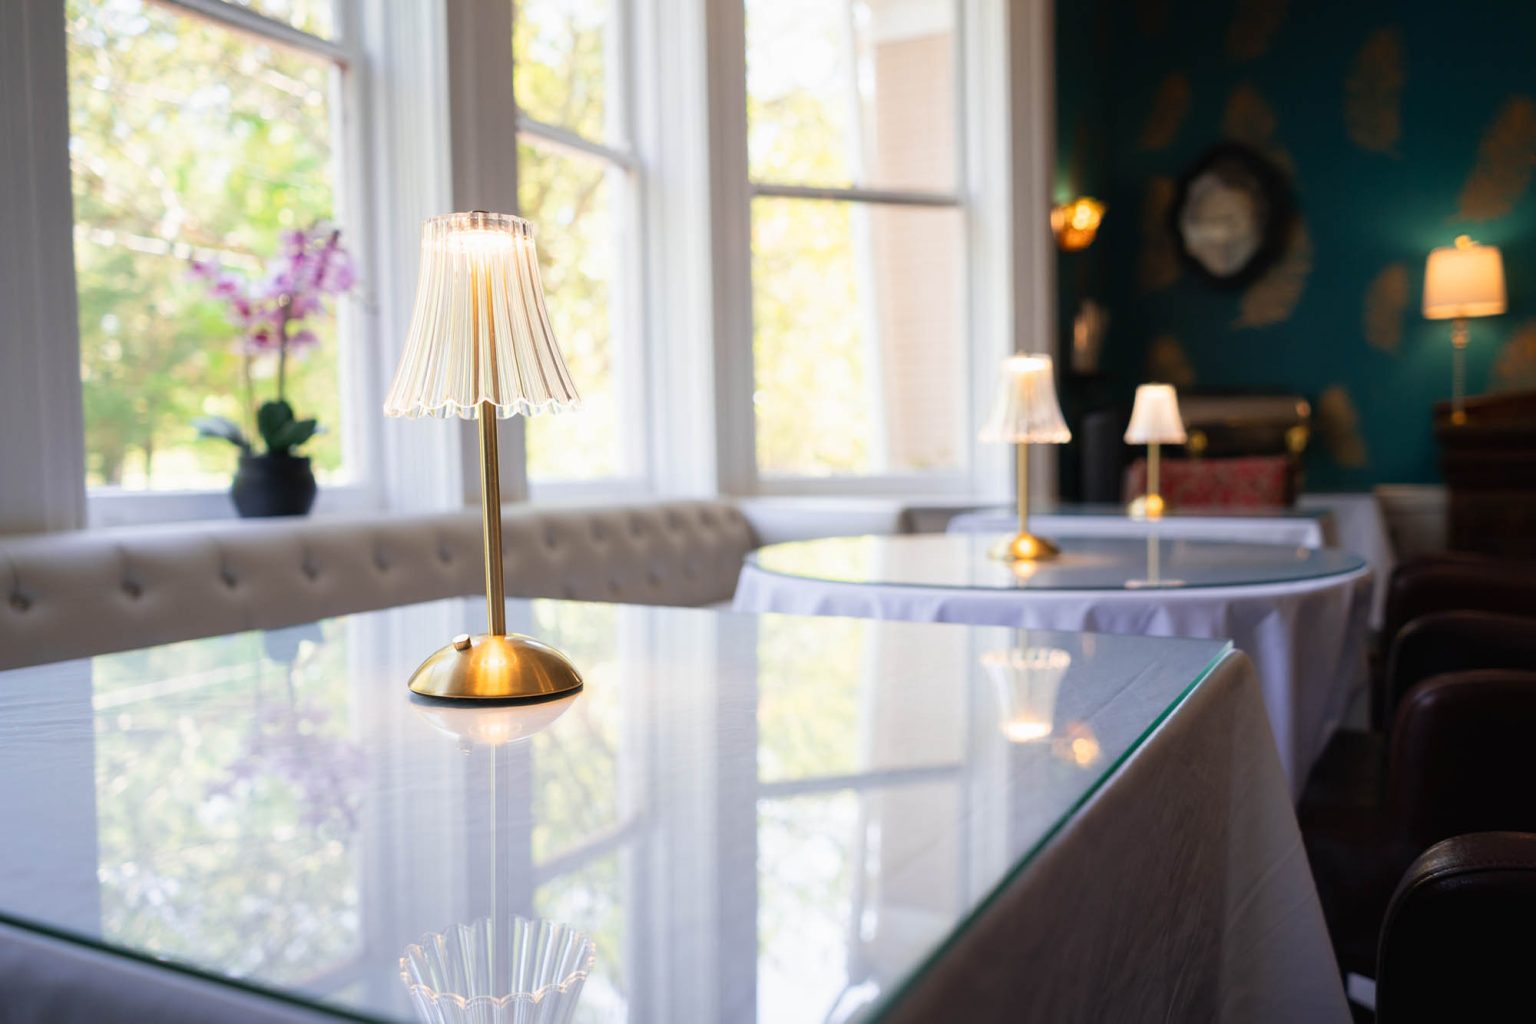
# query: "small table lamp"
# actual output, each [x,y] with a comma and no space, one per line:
[480,344]
[1462,280]
[1025,412]
[1154,420]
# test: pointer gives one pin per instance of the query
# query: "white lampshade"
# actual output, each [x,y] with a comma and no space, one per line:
[1465,279]
[1155,416]
[479,332]
[1025,410]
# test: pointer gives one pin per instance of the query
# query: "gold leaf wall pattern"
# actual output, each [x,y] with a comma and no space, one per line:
[1253,27]
[1373,93]
[1249,119]
[1338,424]
[1273,297]
[1385,302]
[1505,159]
[1169,107]
[1159,264]
[1168,363]
[1515,367]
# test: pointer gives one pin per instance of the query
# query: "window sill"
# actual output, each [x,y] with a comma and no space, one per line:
[110,506]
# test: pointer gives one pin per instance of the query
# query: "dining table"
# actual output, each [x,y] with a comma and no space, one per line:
[738,818]
[1300,613]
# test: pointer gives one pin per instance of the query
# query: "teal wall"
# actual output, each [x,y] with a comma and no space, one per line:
[1404,125]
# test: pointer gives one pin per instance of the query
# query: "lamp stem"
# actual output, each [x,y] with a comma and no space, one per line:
[1023,487]
[1459,370]
[490,515]
[1154,466]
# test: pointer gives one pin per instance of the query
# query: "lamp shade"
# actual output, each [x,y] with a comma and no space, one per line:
[1155,416]
[1025,410]
[479,332]
[1465,279]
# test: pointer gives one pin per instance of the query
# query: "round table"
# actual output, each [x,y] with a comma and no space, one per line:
[1300,613]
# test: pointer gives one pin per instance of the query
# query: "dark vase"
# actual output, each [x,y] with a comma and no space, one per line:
[273,485]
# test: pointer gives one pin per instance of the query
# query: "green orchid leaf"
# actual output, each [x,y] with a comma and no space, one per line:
[224,429]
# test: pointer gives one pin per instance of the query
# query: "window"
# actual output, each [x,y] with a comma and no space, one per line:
[578,184]
[860,363]
[196,136]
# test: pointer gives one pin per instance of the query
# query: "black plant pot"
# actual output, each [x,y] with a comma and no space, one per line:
[273,485]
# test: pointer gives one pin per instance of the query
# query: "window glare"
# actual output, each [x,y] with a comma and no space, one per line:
[187,140]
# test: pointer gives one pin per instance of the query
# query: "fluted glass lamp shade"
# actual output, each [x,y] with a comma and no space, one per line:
[1155,416]
[1462,280]
[1025,410]
[480,347]
[479,333]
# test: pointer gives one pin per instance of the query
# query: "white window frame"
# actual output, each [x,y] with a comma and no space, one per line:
[629,335]
[357,319]
[1002,66]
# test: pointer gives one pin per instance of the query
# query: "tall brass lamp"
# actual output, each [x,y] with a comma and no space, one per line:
[1025,412]
[1461,281]
[480,346]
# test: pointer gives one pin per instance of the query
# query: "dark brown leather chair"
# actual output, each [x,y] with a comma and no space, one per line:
[1352,770]
[1457,943]
[1456,582]
[1460,760]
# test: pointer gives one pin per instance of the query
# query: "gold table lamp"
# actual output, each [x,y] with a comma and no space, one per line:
[1025,412]
[1155,421]
[480,345]
[1460,281]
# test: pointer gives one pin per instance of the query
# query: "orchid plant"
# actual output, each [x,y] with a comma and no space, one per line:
[270,314]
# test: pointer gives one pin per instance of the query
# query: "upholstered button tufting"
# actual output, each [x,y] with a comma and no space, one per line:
[597,531]
[381,562]
[133,589]
[229,578]
[444,555]
[550,539]
[311,571]
[20,602]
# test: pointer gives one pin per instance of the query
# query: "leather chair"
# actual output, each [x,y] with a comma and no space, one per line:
[1452,582]
[1460,760]
[1457,943]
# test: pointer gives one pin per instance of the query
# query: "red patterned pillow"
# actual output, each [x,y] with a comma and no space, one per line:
[1250,482]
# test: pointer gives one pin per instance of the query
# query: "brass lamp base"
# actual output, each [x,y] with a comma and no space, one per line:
[1148,506]
[1024,547]
[490,667]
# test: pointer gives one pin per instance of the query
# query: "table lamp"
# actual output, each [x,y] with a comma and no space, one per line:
[1154,421]
[480,345]
[1462,280]
[1025,412]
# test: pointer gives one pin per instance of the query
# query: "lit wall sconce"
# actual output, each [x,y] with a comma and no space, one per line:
[1076,223]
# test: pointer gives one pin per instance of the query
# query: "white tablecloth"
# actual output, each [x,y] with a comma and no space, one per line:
[1307,638]
[1191,855]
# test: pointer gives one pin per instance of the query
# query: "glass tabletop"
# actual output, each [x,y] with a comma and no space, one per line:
[1085,563]
[718,810]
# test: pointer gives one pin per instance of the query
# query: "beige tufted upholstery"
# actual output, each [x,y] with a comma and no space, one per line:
[69,595]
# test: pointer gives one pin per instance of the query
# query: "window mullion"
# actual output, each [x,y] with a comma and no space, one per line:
[249,22]
[855,194]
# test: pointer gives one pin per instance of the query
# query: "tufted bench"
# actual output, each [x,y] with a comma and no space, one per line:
[69,595]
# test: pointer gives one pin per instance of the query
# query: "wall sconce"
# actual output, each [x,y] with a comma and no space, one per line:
[1076,223]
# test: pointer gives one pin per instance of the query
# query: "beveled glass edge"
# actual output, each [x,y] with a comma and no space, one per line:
[886,1002]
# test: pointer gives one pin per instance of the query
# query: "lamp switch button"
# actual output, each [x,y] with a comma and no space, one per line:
[461,642]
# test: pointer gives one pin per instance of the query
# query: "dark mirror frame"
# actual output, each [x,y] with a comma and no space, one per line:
[1275,231]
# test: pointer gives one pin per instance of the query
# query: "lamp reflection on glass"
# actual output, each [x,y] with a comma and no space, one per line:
[1461,281]
[1155,421]
[1025,412]
[1077,744]
[480,347]
[502,967]
[1026,680]
[1075,223]
[1154,577]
